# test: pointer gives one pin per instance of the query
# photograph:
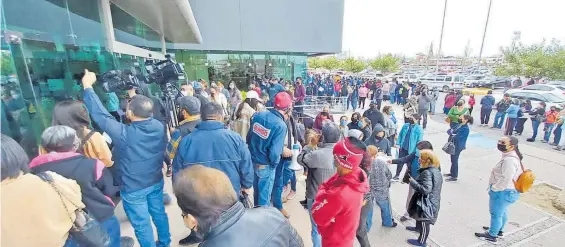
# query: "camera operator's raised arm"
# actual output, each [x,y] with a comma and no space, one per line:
[97,111]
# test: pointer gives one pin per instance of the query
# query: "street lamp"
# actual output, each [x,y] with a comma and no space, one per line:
[441,37]
[484,33]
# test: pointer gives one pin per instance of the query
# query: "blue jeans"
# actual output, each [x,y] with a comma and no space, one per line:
[145,205]
[263,182]
[316,237]
[289,175]
[370,219]
[433,107]
[499,119]
[112,227]
[386,215]
[548,128]
[498,206]
[535,127]
[557,134]
[279,184]
[454,171]
[392,98]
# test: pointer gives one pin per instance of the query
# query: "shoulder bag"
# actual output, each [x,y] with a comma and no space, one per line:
[85,230]
[449,147]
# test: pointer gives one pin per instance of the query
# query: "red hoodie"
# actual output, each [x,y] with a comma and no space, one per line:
[337,208]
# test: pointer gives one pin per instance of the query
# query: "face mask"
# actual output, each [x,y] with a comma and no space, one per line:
[342,122]
[501,147]
[184,93]
[232,86]
[379,137]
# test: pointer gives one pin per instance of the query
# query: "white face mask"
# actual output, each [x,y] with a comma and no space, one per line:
[232,86]
[184,93]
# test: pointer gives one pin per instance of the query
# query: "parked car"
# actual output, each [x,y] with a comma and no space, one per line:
[445,82]
[557,89]
[473,80]
[492,82]
[550,98]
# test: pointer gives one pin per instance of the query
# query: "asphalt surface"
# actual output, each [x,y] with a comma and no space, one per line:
[464,204]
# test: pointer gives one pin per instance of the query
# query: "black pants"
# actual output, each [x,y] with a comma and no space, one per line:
[362,230]
[471,110]
[298,107]
[510,126]
[379,103]
[485,115]
[520,125]
[401,153]
[362,102]
[424,230]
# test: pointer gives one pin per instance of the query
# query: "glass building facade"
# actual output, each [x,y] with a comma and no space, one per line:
[47,44]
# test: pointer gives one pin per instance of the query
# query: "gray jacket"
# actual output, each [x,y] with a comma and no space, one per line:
[379,180]
[423,102]
[390,127]
[429,183]
[320,164]
[262,226]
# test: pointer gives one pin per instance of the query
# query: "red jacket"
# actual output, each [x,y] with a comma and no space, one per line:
[471,101]
[337,208]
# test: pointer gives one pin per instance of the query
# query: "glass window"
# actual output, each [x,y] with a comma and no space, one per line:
[130,30]
[535,97]
[448,78]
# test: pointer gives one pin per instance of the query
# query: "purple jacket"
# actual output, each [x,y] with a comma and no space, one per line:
[300,93]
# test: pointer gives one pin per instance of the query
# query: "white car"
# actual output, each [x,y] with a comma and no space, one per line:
[550,98]
[443,82]
[557,89]
[473,80]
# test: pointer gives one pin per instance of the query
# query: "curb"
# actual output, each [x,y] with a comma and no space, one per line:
[476,91]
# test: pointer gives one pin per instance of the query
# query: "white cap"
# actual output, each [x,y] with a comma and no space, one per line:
[251,94]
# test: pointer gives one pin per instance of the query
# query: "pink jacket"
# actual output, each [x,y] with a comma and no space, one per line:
[363,91]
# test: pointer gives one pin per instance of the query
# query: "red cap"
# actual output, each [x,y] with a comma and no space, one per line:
[347,154]
[282,101]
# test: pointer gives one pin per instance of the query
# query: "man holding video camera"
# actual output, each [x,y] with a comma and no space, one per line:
[137,161]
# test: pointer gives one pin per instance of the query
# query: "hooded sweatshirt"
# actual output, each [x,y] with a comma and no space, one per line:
[337,207]
[383,144]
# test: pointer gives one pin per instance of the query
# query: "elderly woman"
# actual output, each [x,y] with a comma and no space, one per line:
[33,214]
[427,184]
[210,206]
[60,143]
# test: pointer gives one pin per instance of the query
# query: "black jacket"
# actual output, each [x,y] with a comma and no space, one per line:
[96,183]
[375,116]
[262,226]
[383,144]
[429,183]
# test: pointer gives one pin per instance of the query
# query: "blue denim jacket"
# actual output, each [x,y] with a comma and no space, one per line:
[512,111]
[266,137]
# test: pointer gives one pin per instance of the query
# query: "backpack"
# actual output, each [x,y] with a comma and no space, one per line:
[525,180]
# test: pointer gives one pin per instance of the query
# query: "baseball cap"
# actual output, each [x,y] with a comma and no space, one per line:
[282,101]
[252,95]
[349,152]
[190,104]
[196,85]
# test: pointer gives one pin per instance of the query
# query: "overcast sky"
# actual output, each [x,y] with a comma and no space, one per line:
[409,26]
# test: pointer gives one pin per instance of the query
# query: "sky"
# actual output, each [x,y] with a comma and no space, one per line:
[373,27]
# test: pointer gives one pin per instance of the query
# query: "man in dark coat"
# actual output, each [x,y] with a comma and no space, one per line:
[374,115]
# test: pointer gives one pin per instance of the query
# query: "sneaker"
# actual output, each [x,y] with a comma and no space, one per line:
[558,148]
[553,144]
[447,175]
[411,228]
[485,237]
[404,218]
[451,179]
[415,242]
[291,195]
[544,141]
[190,240]
[285,189]
[126,242]
[500,233]
[395,178]
[530,140]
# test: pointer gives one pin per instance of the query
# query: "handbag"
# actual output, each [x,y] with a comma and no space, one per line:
[449,147]
[85,230]
[421,208]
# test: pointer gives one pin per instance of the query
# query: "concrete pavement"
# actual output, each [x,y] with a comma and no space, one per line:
[464,205]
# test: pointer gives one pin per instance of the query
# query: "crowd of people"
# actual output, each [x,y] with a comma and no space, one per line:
[228,148]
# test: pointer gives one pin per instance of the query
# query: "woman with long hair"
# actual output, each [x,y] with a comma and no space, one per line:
[502,190]
[92,143]
[243,114]
[459,137]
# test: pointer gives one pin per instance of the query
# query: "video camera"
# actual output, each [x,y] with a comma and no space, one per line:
[160,73]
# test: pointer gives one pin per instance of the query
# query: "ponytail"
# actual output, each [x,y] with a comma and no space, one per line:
[518,152]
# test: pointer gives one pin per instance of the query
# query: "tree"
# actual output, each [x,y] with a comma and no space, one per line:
[314,62]
[6,67]
[353,65]
[386,63]
[330,63]
[536,60]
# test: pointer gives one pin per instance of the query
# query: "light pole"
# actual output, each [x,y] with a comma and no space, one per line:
[484,33]
[441,37]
